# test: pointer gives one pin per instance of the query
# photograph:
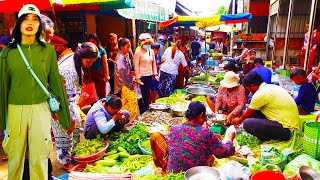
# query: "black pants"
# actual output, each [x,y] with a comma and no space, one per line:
[265,129]
[145,91]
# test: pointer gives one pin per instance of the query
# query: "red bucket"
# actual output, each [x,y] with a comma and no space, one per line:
[267,175]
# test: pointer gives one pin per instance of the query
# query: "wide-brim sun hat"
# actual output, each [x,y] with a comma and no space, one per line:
[29,9]
[230,80]
[144,38]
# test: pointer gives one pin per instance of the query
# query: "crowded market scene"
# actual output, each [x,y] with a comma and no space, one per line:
[152,90]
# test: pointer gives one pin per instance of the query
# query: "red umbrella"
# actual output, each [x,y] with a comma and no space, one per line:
[15,5]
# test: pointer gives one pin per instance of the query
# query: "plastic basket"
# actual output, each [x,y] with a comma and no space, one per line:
[268,175]
[311,142]
[143,150]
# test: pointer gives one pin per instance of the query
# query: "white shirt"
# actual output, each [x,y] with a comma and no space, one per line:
[170,66]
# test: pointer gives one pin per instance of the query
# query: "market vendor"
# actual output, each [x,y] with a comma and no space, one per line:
[105,116]
[189,144]
[197,66]
[306,98]
[230,98]
[272,113]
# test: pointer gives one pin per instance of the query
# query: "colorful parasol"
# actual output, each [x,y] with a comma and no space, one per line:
[203,22]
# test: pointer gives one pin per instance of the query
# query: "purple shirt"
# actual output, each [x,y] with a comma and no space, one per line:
[190,145]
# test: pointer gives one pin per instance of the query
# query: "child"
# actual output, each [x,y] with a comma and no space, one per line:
[155,83]
[105,116]
[197,67]
[307,93]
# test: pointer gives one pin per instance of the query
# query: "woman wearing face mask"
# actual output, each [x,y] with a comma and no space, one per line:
[71,69]
[25,112]
[122,73]
[172,57]
[145,67]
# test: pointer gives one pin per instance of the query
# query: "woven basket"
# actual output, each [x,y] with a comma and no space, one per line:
[311,142]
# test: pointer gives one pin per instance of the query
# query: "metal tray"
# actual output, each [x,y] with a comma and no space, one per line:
[199,90]
[159,106]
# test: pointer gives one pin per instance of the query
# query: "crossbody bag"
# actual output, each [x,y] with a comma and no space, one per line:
[52,100]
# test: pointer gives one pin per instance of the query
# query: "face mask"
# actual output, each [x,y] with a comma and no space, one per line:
[146,47]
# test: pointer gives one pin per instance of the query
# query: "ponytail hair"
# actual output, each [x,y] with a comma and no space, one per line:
[84,50]
[175,48]
[194,110]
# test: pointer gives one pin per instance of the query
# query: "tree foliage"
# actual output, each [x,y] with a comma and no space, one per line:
[222,10]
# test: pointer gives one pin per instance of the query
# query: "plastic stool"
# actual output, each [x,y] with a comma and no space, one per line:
[268,64]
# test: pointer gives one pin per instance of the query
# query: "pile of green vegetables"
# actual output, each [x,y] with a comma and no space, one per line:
[199,98]
[247,139]
[178,176]
[205,77]
[272,159]
[146,145]
[219,77]
[109,164]
[129,141]
[135,163]
[88,147]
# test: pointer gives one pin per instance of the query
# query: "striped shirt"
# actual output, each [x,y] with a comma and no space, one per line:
[170,66]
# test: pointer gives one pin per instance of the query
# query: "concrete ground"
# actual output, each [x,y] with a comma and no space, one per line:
[57,168]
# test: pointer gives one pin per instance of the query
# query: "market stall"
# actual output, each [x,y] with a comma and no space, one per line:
[127,155]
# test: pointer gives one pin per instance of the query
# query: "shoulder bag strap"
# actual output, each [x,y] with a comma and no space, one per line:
[32,72]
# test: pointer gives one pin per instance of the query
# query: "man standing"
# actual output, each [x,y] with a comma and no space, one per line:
[272,113]
[5,38]
[264,72]
[195,48]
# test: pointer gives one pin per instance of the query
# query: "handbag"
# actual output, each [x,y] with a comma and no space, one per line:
[52,100]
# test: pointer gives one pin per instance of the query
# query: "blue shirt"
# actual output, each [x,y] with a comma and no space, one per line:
[264,72]
[97,65]
[195,46]
[99,115]
[5,39]
[306,97]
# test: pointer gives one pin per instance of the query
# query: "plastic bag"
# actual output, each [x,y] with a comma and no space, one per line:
[234,170]
[108,88]
[292,168]
[230,129]
[137,91]
[88,95]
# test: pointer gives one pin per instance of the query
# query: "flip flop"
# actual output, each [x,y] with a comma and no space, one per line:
[5,159]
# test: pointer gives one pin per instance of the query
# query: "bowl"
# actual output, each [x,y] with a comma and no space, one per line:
[143,150]
[93,157]
[307,173]
[267,175]
[81,166]
[199,90]
[203,173]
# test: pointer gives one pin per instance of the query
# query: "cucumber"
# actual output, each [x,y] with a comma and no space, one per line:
[123,155]
[121,149]
[107,162]
[111,152]
[113,156]
[123,159]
